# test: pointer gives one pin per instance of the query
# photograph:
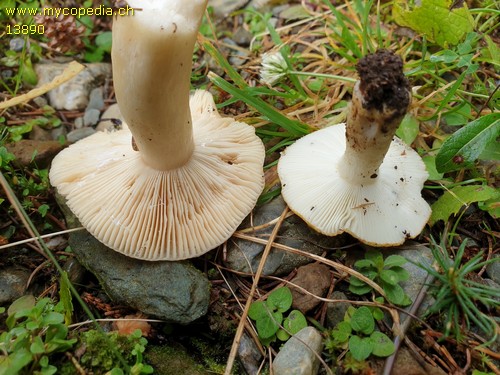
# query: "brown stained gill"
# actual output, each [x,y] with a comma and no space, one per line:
[383,83]
[134,145]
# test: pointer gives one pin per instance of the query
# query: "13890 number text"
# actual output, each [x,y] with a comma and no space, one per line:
[32,29]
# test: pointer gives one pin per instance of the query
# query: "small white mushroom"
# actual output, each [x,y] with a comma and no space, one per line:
[358,178]
[195,175]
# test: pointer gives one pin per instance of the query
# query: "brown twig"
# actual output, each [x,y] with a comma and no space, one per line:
[244,316]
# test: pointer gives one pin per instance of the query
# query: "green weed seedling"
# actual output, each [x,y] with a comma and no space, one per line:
[102,351]
[36,330]
[458,296]
[387,273]
[357,334]
[268,316]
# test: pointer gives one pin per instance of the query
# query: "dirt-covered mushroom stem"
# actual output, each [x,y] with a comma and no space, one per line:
[380,101]
[358,177]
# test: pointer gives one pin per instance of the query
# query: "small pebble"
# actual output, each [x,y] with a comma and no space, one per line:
[315,278]
[40,134]
[91,117]
[78,123]
[96,100]
[113,112]
[78,134]
[12,284]
[16,44]
[296,356]
[493,269]
[58,132]
[335,311]
[6,74]
[73,94]
[40,153]
[242,36]
[249,355]
[40,101]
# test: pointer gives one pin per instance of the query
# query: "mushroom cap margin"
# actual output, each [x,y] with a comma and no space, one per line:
[381,213]
[164,215]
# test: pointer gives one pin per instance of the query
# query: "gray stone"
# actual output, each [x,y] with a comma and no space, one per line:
[40,153]
[265,5]
[74,94]
[75,270]
[242,254]
[315,278]
[249,354]
[40,134]
[113,112]
[16,44]
[58,132]
[237,56]
[416,254]
[77,134]
[96,100]
[91,117]
[13,283]
[335,311]
[40,101]
[242,36]
[494,285]
[173,291]
[78,123]
[222,8]
[7,74]
[493,269]
[299,355]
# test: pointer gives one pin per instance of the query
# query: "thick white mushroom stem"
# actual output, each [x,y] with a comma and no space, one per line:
[152,61]
[379,103]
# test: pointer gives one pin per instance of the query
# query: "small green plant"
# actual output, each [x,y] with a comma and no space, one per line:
[268,316]
[113,353]
[458,296]
[387,273]
[357,334]
[36,330]
[21,60]
[30,185]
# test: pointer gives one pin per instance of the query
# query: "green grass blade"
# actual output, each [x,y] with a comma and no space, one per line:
[296,128]
[224,64]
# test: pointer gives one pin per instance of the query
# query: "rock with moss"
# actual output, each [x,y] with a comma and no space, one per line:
[173,291]
[242,254]
[173,360]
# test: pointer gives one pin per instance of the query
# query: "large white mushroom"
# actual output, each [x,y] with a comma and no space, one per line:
[179,180]
[358,177]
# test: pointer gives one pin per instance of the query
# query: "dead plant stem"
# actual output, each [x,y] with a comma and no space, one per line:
[244,316]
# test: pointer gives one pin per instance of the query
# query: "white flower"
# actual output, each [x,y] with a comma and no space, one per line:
[274,68]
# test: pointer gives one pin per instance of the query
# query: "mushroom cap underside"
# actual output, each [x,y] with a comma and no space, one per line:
[164,215]
[382,212]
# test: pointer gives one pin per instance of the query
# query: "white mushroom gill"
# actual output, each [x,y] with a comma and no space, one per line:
[195,175]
